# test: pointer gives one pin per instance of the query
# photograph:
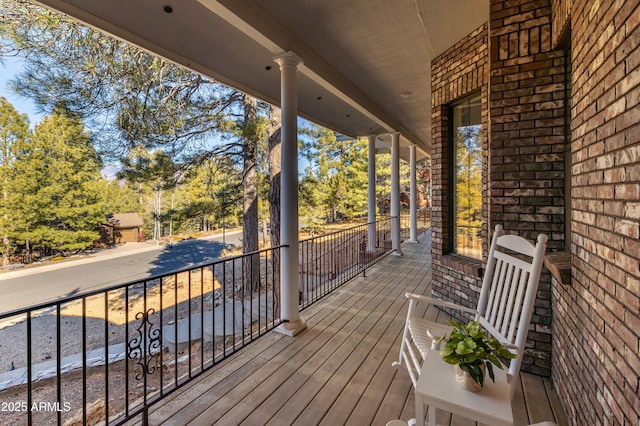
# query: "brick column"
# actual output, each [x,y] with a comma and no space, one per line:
[460,71]
[440,181]
[527,91]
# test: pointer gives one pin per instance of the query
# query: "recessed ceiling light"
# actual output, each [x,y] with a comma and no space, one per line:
[348,115]
[168,9]
[268,67]
[319,97]
[405,94]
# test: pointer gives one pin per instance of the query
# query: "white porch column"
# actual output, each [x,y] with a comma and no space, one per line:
[395,194]
[289,293]
[371,194]
[413,197]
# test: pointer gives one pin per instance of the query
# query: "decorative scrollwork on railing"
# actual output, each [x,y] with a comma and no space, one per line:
[144,347]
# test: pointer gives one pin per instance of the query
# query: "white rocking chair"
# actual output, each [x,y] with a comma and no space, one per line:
[504,308]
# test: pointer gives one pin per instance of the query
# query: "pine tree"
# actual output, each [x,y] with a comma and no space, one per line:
[57,177]
[251,133]
[135,100]
[338,172]
[121,196]
[356,172]
[211,193]
[310,204]
[162,175]
[132,97]
[14,130]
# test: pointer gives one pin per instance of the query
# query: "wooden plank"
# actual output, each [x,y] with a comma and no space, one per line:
[378,403]
[327,395]
[241,367]
[554,402]
[311,376]
[409,408]
[229,408]
[265,347]
[395,384]
[342,409]
[538,406]
[519,406]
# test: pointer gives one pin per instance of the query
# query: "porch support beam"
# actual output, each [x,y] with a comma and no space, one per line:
[395,194]
[292,323]
[371,195]
[413,196]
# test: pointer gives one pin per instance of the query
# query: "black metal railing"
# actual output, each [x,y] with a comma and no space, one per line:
[423,222]
[330,260]
[108,355]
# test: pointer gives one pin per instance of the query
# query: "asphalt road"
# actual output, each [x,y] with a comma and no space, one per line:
[33,287]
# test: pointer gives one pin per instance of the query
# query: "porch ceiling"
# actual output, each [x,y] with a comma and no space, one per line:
[366,62]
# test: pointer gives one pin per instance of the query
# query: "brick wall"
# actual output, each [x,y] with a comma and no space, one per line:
[560,26]
[597,319]
[460,71]
[527,113]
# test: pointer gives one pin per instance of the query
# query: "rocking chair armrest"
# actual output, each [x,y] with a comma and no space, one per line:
[437,302]
[510,346]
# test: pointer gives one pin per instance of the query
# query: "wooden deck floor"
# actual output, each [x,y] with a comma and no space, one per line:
[338,371]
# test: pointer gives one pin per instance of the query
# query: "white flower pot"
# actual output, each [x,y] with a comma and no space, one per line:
[464,379]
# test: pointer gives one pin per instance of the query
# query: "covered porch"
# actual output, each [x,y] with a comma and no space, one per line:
[338,370]
[558,86]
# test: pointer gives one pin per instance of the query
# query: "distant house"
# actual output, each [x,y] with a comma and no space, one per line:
[121,228]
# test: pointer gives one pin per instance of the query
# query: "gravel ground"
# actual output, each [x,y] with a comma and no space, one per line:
[13,344]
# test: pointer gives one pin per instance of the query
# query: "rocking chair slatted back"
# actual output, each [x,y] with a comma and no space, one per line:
[509,290]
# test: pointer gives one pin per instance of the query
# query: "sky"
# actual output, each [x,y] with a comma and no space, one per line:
[9,67]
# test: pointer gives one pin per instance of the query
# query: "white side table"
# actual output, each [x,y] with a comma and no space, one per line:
[437,388]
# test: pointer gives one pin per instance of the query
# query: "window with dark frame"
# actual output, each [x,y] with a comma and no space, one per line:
[466,185]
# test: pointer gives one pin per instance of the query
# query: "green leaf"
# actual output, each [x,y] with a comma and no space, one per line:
[490,371]
[447,350]
[496,361]
[474,371]
[466,346]
[470,346]
[471,358]
[473,330]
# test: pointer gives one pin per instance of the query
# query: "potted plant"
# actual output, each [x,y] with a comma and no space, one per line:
[472,350]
